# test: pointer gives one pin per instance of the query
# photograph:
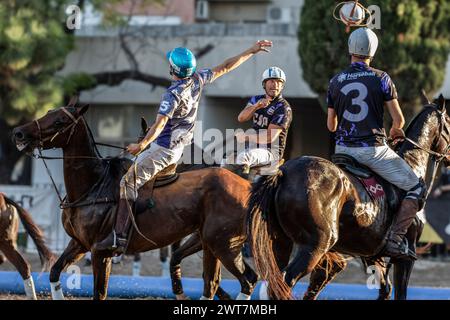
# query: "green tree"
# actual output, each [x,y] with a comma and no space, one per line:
[34,44]
[414,45]
[33,47]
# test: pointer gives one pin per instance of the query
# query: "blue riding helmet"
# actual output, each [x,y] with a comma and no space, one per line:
[182,62]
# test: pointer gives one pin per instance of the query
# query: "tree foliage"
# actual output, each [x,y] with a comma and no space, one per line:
[414,45]
[33,47]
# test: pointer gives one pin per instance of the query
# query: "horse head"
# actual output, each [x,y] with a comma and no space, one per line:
[53,130]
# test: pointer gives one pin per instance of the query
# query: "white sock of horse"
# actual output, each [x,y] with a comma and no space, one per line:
[243,296]
[56,288]
[30,292]
[205,298]
[136,268]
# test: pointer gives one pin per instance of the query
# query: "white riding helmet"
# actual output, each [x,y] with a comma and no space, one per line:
[273,73]
[363,42]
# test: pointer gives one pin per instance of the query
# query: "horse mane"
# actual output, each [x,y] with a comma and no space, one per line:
[426,110]
[117,166]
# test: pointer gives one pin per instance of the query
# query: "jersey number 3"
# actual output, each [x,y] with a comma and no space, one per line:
[359,101]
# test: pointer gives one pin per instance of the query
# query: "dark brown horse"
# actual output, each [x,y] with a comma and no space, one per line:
[10,212]
[327,212]
[208,201]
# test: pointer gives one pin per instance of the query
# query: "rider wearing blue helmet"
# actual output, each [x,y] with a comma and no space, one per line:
[170,133]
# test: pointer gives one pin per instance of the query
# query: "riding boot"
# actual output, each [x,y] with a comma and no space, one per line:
[117,240]
[397,244]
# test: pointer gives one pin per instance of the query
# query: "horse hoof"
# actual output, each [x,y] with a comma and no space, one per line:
[2,258]
[182,297]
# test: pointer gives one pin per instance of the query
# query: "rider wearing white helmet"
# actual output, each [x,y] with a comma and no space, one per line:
[172,130]
[356,101]
[272,116]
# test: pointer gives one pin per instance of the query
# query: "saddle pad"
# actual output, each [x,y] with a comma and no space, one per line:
[374,188]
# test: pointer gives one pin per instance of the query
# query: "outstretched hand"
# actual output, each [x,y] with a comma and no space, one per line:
[261,45]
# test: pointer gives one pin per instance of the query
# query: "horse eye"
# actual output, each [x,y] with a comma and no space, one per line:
[58,123]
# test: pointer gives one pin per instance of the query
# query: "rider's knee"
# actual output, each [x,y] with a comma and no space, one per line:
[418,192]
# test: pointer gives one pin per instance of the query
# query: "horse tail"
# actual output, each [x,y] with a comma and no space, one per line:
[261,204]
[46,256]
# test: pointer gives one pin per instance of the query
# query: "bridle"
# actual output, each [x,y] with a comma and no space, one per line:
[443,126]
[70,127]
[437,157]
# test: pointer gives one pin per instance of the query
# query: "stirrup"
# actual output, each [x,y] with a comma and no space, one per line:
[403,250]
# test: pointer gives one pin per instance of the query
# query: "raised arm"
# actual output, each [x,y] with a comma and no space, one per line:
[250,109]
[234,62]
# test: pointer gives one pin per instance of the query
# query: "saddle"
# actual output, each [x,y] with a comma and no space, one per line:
[375,185]
[163,178]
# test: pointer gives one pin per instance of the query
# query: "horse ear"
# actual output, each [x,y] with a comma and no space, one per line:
[73,101]
[144,125]
[83,109]
[424,98]
[441,102]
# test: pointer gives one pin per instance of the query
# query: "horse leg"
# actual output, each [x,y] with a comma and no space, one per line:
[71,254]
[304,262]
[190,246]
[101,267]
[211,274]
[232,259]
[326,270]
[382,269]
[163,255]
[21,265]
[136,265]
[402,272]
[403,268]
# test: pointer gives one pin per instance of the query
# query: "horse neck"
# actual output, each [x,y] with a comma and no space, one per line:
[80,174]
[424,135]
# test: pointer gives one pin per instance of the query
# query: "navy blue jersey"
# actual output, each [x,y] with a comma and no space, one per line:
[357,95]
[279,113]
[180,103]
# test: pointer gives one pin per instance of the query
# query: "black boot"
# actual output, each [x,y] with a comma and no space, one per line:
[397,244]
[117,240]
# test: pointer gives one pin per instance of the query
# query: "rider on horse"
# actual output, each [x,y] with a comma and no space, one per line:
[356,99]
[270,112]
[171,132]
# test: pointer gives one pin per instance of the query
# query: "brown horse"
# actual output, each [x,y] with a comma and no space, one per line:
[10,212]
[327,212]
[208,201]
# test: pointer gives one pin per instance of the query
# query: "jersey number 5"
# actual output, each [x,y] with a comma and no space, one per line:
[359,101]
